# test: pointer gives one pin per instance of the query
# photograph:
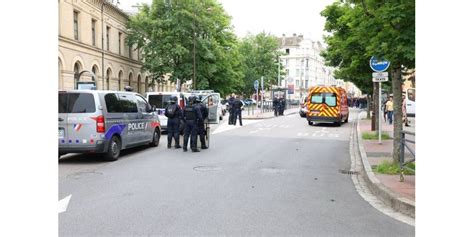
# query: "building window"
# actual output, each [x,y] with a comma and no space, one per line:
[76,25]
[120,42]
[107,37]
[287,51]
[297,83]
[93,32]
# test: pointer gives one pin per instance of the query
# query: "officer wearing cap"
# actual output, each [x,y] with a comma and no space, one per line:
[192,114]
[200,124]
[237,107]
[174,114]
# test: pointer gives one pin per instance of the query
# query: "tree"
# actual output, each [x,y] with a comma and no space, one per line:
[174,35]
[373,28]
[260,58]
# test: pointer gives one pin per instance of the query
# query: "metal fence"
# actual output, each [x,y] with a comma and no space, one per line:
[267,107]
[403,145]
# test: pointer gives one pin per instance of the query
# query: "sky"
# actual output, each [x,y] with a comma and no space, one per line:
[272,16]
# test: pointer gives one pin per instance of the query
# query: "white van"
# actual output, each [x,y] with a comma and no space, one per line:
[410,100]
[160,100]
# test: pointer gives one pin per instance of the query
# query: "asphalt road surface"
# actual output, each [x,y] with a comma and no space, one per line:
[269,177]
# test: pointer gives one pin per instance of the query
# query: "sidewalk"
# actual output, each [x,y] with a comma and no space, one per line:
[399,193]
[247,114]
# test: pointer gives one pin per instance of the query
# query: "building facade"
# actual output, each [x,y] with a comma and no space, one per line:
[303,65]
[88,27]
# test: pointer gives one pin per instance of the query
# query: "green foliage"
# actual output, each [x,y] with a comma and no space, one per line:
[393,168]
[375,136]
[169,31]
[361,29]
[259,58]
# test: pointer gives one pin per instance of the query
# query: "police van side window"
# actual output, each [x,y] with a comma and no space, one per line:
[128,103]
[141,103]
[76,103]
[113,103]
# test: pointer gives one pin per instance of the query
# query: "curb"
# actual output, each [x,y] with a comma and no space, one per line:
[390,198]
[270,117]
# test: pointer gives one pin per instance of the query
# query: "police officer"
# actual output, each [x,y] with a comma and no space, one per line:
[174,114]
[192,114]
[237,107]
[282,103]
[201,129]
[231,109]
[276,106]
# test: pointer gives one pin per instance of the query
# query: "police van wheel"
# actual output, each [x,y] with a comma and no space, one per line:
[156,139]
[113,151]
[310,123]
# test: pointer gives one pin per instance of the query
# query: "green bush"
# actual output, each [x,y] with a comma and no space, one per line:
[374,136]
[388,167]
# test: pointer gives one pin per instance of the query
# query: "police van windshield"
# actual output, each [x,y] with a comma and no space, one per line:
[329,99]
[159,101]
[76,103]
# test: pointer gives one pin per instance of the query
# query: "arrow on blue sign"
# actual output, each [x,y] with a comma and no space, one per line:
[378,65]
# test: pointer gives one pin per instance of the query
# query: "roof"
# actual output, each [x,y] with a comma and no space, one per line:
[292,41]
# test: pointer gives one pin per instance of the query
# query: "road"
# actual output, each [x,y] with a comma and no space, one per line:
[269,177]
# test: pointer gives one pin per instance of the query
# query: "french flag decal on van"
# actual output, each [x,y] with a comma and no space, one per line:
[77,127]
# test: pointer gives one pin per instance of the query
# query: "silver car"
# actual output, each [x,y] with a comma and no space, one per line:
[105,122]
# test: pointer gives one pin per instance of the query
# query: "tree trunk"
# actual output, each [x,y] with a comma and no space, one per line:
[369,103]
[397,111]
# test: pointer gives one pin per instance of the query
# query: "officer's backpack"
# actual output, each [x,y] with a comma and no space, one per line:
[171,111]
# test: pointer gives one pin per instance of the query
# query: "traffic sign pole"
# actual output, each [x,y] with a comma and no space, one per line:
[380,112]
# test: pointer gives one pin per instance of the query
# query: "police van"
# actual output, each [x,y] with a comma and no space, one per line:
[160,100]
[92,121]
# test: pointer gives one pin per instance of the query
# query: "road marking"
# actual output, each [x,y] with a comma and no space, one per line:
[226,127]
[62,207]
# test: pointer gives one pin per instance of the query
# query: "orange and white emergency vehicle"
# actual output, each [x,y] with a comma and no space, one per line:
[327,104]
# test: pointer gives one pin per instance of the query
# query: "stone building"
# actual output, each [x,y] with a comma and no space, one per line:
[82,24]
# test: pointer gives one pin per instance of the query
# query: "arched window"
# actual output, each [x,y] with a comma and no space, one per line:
[146,84]
[130,77]
[139,83]
[60,75]
[120,75]
[94,70]
[108,77]
[77,70]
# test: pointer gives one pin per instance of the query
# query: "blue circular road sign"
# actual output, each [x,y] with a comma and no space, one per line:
[255,84]
[379,65]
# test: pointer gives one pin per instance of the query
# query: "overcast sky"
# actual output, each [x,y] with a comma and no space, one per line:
[273,16]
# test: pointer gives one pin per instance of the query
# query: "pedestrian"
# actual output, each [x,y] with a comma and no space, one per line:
[231,109]
[404,111]
[201,123]
[174,114]
[384,109]
[389,105]
[237,106]
[282,106]
[192,114]
[276,105]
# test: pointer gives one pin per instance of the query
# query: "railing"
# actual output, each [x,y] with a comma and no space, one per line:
[403,163]
[267,107]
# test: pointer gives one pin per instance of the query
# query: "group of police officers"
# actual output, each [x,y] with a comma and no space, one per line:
[235,110]
[193,116]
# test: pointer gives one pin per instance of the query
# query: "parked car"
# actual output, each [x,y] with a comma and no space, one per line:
[106,122]
[249,102]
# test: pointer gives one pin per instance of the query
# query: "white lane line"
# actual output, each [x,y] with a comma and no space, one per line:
[226,127]
[62,207]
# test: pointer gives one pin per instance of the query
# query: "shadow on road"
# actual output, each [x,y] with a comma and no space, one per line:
[328,125]
[92,158]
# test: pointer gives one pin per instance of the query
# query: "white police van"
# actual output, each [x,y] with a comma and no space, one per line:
[160,100]
[94,121]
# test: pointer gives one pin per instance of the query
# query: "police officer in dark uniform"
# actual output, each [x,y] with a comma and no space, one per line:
[174,114]
[201,129]
[231,110]
[237,107]
[276,106]
[192,114]
[282,103]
